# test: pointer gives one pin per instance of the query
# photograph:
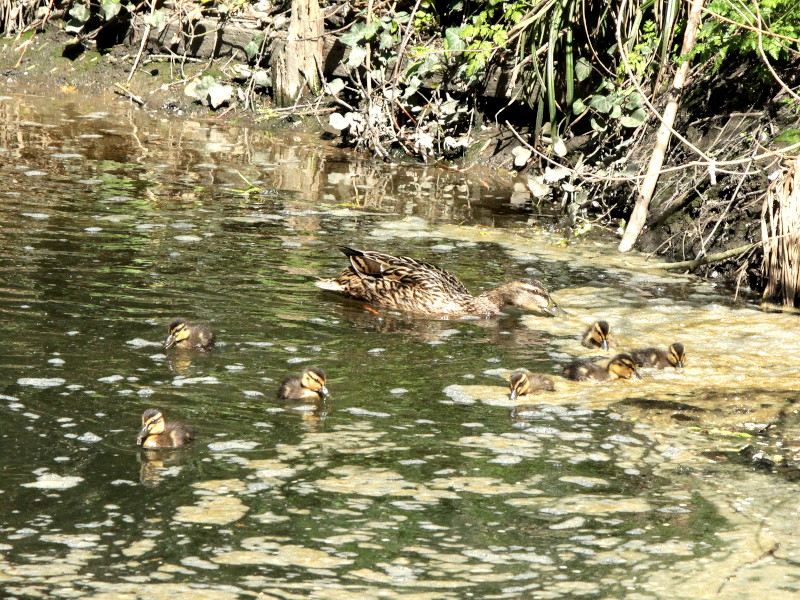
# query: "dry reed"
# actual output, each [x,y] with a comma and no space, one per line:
[780,231]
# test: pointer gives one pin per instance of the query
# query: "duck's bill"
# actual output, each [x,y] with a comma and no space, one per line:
[604,345]
[170,342]
[679,364]
[513,395]
[324,392]
[636,376]
[554,309]
[139,439]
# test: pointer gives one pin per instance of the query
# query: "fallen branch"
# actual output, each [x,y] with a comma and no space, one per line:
[128,94]
[704,260]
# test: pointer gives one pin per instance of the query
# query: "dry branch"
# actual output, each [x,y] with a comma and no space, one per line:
[640,210]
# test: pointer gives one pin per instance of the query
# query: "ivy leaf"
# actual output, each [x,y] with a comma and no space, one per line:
[452,39]
[334,86]
[253,47]
[578,107]
[111,9]
[582,69]
[602,104]
[634,119]
[357,56]
[80,13]
[157,20]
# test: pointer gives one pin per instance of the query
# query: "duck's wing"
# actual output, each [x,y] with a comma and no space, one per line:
[403,271]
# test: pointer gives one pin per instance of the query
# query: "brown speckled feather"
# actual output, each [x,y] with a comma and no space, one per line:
[408,284]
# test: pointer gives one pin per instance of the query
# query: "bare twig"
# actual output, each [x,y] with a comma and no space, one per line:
[123,91]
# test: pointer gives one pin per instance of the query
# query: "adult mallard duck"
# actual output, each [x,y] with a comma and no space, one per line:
[656,357]
[158,433]
[408,284]
[310,385]
[599,336]
[189,335]
[522,383]
[619,367]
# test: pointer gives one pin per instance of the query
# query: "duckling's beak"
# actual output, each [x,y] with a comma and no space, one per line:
[679,364]
[604,344]
[170,341]
[637,376]
[141,436]
[513,395]
[554,309]
[323,391]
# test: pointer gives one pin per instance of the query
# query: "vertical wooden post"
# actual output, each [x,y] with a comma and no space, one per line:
[298,64]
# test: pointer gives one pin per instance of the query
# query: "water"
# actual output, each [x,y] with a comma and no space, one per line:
[420,479]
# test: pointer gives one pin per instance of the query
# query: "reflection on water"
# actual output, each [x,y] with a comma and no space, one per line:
[419,477]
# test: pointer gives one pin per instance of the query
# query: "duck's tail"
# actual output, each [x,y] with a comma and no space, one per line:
[328,284]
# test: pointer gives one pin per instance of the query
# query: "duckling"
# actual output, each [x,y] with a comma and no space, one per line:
[619,367]
[599,336]
[158,433]
[189,335]
[310,385]
[522,383]
[656,357]
[408,284]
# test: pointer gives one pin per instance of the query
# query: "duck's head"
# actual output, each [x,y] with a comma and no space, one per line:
[519,384]
[314,380]
[152,424]
[623,366]
[178,331]
[532,295]
[599,333]
[676,355]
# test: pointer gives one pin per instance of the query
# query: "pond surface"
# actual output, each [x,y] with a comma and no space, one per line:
[419,479]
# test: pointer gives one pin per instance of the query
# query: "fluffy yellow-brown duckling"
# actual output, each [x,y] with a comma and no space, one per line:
[408,284]
[158,433]
[619,367]
[310,385]
[522,383]
[599,336]
[675,356]
[189,335]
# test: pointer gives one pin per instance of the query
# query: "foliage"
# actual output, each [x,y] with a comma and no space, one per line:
[719,39]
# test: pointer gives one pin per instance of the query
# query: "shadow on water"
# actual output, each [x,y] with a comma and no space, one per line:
[419,477]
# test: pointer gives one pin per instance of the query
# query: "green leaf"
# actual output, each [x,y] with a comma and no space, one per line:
[251,49]
[452,39]
[370,30]
[634,119]
[334,86]
[578,107]
[602,104]
[597,126]
[616,112]
[357,56]
[789,136]
[583,69]
[80,13]
[111,9]
[386,40]
[354,36]
[262,78]
[158,19]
